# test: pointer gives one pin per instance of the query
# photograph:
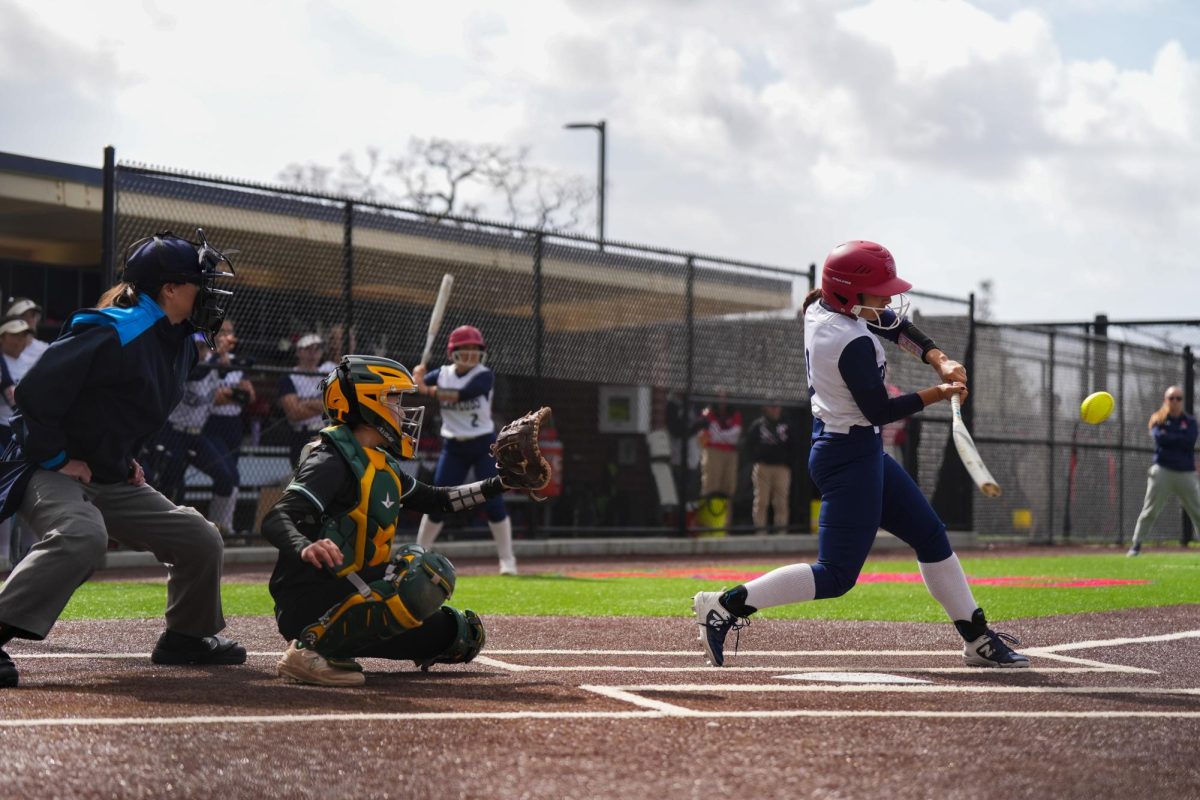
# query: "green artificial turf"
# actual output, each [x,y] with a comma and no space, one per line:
[1174,579]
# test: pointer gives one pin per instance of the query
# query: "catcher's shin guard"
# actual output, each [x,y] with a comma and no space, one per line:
[414,586]
[469,639]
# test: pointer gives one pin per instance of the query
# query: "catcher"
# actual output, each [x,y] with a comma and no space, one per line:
[340,593]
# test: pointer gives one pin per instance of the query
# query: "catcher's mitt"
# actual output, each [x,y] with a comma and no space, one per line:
[519,460]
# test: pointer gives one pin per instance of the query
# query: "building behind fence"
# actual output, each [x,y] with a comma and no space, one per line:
[609,335]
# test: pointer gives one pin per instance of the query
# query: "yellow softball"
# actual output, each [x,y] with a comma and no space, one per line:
[1096,408]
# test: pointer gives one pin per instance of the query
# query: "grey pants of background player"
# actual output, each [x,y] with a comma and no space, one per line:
[1161,485]
[74,522]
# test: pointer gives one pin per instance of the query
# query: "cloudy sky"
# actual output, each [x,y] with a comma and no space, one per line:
[1051,147]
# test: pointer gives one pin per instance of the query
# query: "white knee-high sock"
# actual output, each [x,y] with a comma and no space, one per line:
[220,511]
[791,584]
[947,583]
[427,531]
[502,533]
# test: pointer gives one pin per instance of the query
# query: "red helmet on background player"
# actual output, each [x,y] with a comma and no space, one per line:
[463,336]
[857,268]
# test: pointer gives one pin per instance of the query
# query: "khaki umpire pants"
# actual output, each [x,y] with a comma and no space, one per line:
[76,520]
[771,485]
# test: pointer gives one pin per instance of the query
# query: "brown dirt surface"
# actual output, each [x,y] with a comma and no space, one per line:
[93,718]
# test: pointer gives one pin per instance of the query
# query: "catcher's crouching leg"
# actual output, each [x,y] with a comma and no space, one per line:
[414,586]
[469,639]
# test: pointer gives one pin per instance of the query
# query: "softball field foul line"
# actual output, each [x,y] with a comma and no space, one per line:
[666,711]
[868,688]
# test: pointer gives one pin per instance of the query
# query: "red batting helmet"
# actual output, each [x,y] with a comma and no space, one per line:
[856,268]
[462,336]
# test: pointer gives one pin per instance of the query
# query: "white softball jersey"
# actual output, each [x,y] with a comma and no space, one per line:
[465,419]
[826,334]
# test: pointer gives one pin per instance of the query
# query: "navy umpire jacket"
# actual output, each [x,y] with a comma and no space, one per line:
[100,391]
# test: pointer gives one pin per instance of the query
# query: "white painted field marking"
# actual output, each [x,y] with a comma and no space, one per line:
[1165,637]
[617,693]
[775,688]
[749,653]
[510,667]
[850,677]
[1087,662]
[309,719]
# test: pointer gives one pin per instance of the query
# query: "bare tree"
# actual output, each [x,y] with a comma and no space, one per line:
[452,178]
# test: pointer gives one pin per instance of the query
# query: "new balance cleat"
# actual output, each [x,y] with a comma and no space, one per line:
[715,623]
[308,666]
[986,648]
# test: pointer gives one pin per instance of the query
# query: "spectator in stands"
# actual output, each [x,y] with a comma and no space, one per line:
[31,312]
[15,337]
[770,446]
[1173,472]
[223,430]
[719,462]
[105,386]
[180,444]
[300,395]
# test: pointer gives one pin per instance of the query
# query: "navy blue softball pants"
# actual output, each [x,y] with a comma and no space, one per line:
[864,489]
[456,460]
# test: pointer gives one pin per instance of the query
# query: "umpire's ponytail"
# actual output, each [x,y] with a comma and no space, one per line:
[122,295]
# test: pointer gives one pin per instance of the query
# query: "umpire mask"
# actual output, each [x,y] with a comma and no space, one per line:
[167,258]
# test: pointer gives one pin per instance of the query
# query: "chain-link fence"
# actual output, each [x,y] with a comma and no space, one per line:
[605,335]
[626,343]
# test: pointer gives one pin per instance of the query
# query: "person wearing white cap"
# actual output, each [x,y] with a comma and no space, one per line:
[29,311]
[300,394]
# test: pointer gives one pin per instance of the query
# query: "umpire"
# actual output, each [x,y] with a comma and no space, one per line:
[101,390]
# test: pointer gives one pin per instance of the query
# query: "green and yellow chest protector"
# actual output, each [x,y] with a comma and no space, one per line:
[365,532]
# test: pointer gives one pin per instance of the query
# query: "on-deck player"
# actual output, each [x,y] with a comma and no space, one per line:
[464,391]
[862,488]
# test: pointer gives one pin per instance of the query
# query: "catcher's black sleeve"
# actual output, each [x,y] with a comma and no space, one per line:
[445,499]
[322,487]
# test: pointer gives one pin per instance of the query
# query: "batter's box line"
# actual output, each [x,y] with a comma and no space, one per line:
[629,694]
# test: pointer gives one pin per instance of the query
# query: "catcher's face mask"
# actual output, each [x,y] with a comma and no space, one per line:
[405,422]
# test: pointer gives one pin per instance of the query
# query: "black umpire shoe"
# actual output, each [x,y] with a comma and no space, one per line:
[8,670]
[176,648]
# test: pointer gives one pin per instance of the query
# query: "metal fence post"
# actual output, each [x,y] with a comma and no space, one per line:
[1189,405]
[689,363]
[1050,468]
[1121,445]
[538,344]
[348,271]
[108,219]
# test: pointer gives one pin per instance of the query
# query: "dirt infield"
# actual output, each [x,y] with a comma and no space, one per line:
[566,708]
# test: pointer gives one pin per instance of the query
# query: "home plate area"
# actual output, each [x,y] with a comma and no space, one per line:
[622,707]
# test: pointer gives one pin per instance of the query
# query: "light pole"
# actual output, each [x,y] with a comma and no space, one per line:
[599,127]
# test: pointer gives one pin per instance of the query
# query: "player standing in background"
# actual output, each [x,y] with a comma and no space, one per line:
[464,392]
[862,488]
[224,427]
[1174,469]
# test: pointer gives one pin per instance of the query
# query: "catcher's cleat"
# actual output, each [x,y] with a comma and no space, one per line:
[8,670]
[308,666]
[715,623]
[177,648]
[986,648]
[348,664]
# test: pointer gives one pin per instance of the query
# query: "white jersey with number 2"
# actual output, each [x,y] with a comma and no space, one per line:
[465,419]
